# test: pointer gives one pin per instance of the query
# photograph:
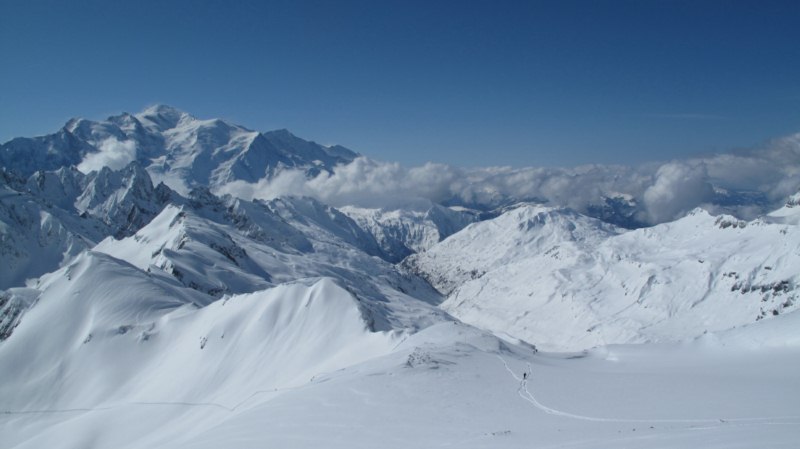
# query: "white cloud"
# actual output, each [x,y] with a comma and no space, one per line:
[678,188]
[112,154]
[662,191]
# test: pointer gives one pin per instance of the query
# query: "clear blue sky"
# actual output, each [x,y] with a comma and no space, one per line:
[467,83]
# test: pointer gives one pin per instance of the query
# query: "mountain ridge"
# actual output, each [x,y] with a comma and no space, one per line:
[174,146]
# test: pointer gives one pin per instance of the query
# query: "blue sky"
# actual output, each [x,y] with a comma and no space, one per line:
[554,83]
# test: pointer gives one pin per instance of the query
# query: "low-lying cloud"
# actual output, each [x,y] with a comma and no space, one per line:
[111,153]
[744,183]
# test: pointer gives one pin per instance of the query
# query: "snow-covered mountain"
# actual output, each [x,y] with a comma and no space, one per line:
[142,309]
[176,148]
[50,217]
[568,282]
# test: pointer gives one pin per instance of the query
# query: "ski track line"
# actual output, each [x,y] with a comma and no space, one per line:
[532,399]
[147,403]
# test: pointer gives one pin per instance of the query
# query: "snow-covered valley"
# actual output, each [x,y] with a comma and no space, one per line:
[144,304]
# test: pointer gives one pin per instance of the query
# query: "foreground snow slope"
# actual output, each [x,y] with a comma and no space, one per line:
[449,385]
[108,334]
[566,282]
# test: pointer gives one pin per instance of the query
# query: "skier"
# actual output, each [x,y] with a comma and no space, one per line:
[523,382]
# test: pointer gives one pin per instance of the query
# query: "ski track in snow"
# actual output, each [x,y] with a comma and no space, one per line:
[525,394]
[148,403]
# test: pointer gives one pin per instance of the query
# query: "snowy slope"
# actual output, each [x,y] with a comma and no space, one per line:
[108,333]
[281,378]
[566,282]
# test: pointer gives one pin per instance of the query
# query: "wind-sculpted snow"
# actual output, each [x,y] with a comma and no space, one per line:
[567,282]
[107,332]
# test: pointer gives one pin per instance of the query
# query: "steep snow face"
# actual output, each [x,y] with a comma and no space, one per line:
[108,333]
[401,232]
[176,148]
[38,236]
[566,282]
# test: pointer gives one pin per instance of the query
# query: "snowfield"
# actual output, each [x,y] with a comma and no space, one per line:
[568,282]
[141,314]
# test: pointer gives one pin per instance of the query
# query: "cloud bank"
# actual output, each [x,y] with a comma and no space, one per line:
[743,183]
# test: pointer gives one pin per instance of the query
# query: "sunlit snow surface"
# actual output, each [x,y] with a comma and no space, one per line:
[152,319]
[447,386]
[568,282]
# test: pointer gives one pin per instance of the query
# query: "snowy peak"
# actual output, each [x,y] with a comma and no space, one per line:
[125,200]
[162,117]
[176,148]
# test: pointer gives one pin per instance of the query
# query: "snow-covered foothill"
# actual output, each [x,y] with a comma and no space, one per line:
[563,281]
